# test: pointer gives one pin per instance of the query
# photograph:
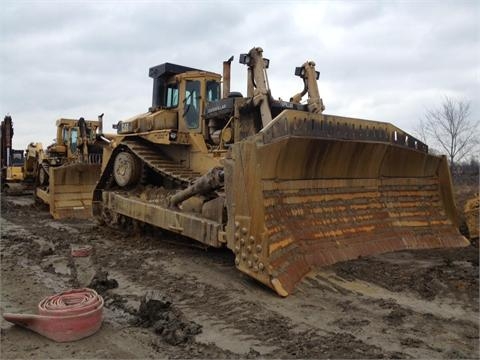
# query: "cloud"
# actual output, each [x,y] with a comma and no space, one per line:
[379,60]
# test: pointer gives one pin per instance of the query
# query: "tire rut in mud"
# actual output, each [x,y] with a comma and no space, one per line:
[247,319]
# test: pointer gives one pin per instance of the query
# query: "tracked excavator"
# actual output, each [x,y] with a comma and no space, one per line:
[11,159]
[18,167]
[283,185]
[67,171]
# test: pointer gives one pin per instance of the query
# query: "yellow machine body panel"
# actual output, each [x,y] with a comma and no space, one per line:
[15,173]
[70,190]
[34,155]
[471,213]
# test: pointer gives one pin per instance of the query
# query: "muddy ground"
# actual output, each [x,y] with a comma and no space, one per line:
[421,304]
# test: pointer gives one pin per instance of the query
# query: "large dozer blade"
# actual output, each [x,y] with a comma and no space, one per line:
[70,190]
[312,190]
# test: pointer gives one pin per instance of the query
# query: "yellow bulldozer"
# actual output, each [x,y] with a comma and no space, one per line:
[285,186]
[66,173]
[34,155]
[471,214]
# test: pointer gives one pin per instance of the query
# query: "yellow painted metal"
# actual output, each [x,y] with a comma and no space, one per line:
[471,212]
[190,225]
[70,190]
[163,137]
[34,155]
[15,173]
[42,195]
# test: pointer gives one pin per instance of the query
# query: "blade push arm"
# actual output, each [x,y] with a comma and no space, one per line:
[258,81]
[310,76]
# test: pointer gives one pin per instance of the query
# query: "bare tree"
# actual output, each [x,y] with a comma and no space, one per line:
[451,128]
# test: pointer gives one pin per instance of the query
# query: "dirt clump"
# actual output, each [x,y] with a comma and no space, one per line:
[101,283]
[397,316]
[166,320]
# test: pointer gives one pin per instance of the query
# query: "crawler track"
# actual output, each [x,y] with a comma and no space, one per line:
[160,163]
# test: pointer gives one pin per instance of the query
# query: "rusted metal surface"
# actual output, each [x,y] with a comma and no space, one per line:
[317,223]
[302,201]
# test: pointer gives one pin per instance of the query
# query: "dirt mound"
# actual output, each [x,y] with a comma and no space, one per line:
[428,273]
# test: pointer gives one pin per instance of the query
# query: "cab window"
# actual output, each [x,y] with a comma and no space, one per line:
[17,158]
[172,95]
[192,103]
[213,91]
[73,140]
[65,135]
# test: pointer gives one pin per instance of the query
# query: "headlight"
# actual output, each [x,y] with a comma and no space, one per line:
[172,136]
[244,59]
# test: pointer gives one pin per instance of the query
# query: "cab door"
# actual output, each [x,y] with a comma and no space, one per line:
[193,106]
[72,142]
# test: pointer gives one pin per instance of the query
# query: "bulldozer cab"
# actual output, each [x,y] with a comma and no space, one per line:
[186,90]
[17,157]
[15,170]
[180,95]
[196,88]
[70,137]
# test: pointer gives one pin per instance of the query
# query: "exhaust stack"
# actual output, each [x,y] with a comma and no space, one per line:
[100,124]
[227,65]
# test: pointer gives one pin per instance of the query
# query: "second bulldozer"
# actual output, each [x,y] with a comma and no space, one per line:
[471,214]
[286,187]
[66,173]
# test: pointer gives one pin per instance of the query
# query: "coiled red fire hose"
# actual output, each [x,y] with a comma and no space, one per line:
[81,251]
[68,316]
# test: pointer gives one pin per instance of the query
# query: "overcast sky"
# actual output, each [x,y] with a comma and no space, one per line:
[380,60]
